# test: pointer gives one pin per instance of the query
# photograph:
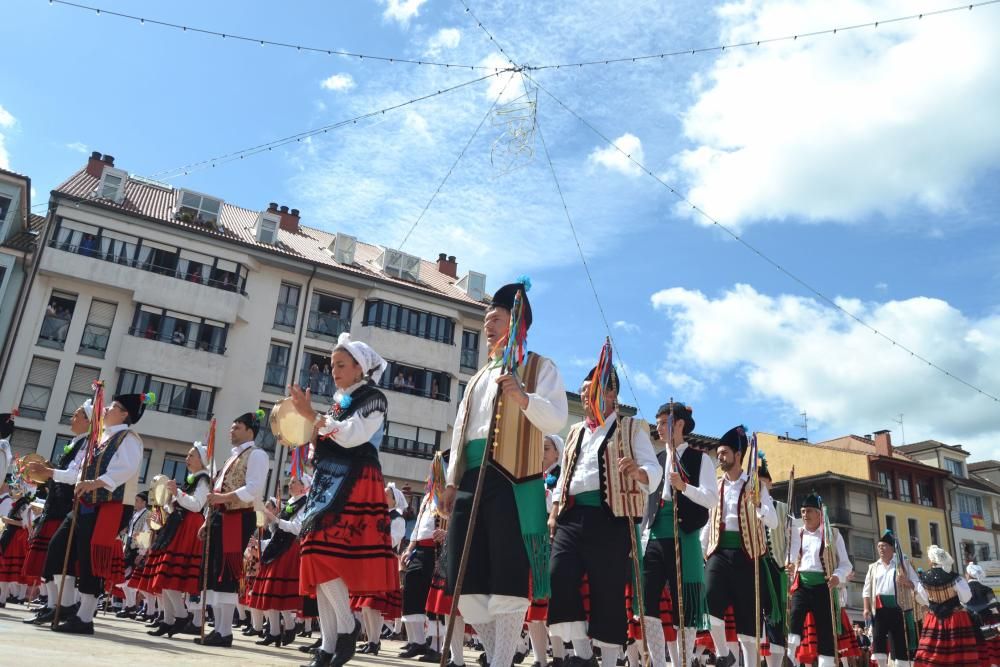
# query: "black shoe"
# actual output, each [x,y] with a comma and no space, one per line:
[727,661]
[154,622]
[320,659]
[250,632]
[73,625]
[482,659]
[161,629]
[190,629]
[518,658]
[556,662]
[270,639]
[127,612]
[386,633]
[346,646]
[41,617]
[312,648]
[300,629]
[178,626]
[430,656]
[413,650]
[215,639]
[287,637]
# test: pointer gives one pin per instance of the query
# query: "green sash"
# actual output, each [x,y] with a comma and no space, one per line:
[588,499]
[530,500]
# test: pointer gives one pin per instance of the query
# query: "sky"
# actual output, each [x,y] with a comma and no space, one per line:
[865,163]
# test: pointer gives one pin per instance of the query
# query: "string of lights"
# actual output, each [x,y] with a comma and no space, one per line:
[298,137]
[766,258]
[262,42]
[454,164]
[771,40]
[468,10]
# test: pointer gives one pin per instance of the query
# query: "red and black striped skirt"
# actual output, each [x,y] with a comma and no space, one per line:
[387,603]
[276,586]
[38,548]
[438,601]
[12,558]
[947,641]
[178,567]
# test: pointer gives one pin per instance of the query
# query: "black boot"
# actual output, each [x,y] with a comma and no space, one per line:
[127,612]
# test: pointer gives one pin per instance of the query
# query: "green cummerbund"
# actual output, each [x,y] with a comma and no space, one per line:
[475,450]
[812,579]
[663,523]
[588,499]
[730,539]
[888,601]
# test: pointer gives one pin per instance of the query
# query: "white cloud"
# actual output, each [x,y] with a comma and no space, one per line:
[401,11]
[842,126]
[796,351]
[78,146]
[627,327]
[445,38]
[7,121]
[612,159]
[338,82]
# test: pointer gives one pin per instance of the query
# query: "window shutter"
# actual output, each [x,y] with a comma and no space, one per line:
[83,379]
[102,313]
[43,372]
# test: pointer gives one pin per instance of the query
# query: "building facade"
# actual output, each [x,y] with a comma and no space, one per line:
[217,308]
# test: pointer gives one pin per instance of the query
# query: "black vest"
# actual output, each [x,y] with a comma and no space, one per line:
[282,539]
[59,497]
[8,533]
[690,515]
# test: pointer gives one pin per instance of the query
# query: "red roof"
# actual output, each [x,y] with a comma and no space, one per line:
[156,202]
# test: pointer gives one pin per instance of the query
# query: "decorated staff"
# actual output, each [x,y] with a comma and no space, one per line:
[87,538]
[775,579]
[673,553]
[735,544]
[508,407]
[888,595]
[821,564]
[608,466]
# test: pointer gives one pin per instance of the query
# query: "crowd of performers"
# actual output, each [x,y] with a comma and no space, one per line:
[598,548]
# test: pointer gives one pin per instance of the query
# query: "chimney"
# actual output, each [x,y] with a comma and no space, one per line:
[448,265]
[272,207]
[289,219]
[95,164]
[109,160]
[883,443]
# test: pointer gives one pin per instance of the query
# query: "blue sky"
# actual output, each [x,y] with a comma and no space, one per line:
[867,163]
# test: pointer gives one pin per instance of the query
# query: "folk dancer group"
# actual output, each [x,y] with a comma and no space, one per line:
[584,546]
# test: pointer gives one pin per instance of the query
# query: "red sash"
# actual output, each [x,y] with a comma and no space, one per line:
[104,541]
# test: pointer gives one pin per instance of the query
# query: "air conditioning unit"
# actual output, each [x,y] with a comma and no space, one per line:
[342,248]
[399,264]
[473,284]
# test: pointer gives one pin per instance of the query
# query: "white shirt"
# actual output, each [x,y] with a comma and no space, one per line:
[194,502]
[293,525]
[881,578]
[706,492]
[397,530]
[6,504]
[586,476]
[547,408]
[424,529]
[730,503]
[356,430]
[71,475]
[811,561]
[252,490]
[6,458]
[124,464]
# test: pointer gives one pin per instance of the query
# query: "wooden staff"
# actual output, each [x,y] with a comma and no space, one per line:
[208,532]
[636,570]
[901,564]
[788,554]
[829,557]
[755,491]
[95,424]
[682,647]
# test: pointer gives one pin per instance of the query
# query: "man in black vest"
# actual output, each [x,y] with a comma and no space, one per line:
[588,538]
[690,479]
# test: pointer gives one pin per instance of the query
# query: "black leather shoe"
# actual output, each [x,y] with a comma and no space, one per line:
[320,659]
[430,656]
[346,646]
[413,650]
[287,637]
[250,632]
[127,612]
[312,648]
[727,661]
[215,639]
[41,617]
[177,627]
[190,629]
[74,626]
[270,639]
[161,629]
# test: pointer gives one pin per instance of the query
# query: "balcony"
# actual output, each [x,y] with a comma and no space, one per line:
[325,325]
[179,339]
[170,360]
[406,447]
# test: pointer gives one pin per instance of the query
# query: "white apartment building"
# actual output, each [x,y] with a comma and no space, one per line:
[216,308]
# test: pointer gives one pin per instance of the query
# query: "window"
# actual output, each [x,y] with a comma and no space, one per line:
[954,467]
[5,203]
[168,326]
[983,551]
[859,503]
[462,386]
[80,389]
[267,230]
[175,467]
[915,549]
[969,504]
[97,331]
[925,492]
[112,185]
[394,317]
[24,441]
[411,440]
[419,381]
[59,445]
[316,375]
[904,490]
[288,307]
[58,315]
[195,207]
[890,524]
[158,258]
[114,247]
[265,439]
[470,349]
[885,481]
[38,387]
[863,548]
[276,371]
[172,396]
[935,533]
[144,467]
[329,315]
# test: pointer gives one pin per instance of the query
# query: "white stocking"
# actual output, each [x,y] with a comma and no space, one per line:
[88,605]
[653,627]
[336,593]
[539,641]
[508,629]
[609,654]
[327,620]
[488,638]
[53,590]
[457,643]
[224,618]
[273,622]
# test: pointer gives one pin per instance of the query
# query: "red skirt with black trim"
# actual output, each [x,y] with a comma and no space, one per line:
[947,641]
[116,576]
[139,579]
[276,586]
[387,603]
[178,567]
[807,652]
[12,558]
[438,601]
[354,543]
[989,652]
[847,641]
[38,548]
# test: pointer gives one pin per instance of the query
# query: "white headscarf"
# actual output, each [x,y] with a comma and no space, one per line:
[371,363]
[975,572]
[941,558]
[88,408]
[306,480]
[398,495]
[558,442]
[202,453]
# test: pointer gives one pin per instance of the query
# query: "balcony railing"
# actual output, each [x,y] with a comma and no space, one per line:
[228,281]
[178,339]
[285,315]
[275,375]
[407,447]
[53,331]
[325,324]
[317,382]
[95,340]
